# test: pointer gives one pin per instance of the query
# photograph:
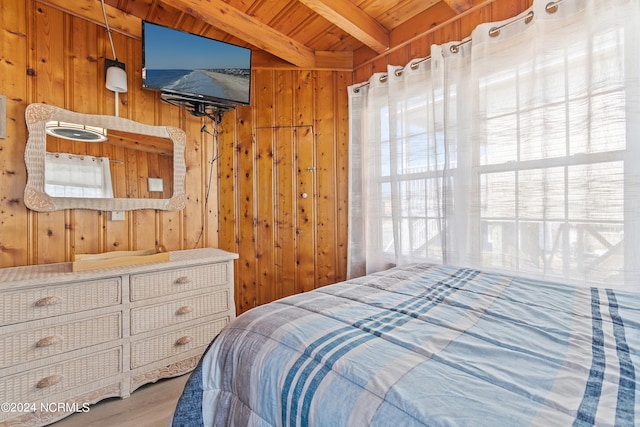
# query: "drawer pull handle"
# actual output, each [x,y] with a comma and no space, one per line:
[182,280]
[183,340]
[47,301]
[49,381]
[47,341]
[185,309]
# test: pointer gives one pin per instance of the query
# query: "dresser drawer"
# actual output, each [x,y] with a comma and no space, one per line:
[168,282]
[38,303]
[153,317]
[167,345]
[36,384]
[38,342]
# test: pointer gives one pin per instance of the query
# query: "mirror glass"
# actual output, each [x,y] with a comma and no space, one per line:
[82,161]
[101,162]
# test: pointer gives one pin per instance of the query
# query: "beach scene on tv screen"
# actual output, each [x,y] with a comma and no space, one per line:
[193,65]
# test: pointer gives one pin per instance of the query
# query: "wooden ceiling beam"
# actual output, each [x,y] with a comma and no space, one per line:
[237,23]
[353,20]
[459,6]
[226,18]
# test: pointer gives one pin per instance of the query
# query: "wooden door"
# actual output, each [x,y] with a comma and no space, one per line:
[285,183]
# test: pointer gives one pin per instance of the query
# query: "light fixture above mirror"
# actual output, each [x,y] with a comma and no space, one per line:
[75,131]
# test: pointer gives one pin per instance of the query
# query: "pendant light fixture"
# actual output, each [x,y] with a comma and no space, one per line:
[115,71]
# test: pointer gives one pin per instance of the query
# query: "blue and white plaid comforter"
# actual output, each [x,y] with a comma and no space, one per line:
[425,345]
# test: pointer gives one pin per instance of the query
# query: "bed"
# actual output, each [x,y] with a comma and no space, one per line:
[424,345]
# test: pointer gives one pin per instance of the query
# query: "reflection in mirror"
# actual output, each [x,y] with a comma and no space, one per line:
[101,162]
[86,161]
[72,175]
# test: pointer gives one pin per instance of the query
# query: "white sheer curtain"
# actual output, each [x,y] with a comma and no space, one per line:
[396,171]
[515,152]
[71,175]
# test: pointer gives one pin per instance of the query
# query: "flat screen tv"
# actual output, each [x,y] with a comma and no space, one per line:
[192,67]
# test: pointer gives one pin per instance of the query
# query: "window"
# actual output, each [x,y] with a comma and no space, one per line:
[551,172]
[513,153]
[70,175]
[411,165]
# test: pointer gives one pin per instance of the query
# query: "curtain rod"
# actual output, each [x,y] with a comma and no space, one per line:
[82,156]
[551,7]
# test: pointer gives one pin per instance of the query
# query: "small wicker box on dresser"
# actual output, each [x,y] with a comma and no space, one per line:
[69,339]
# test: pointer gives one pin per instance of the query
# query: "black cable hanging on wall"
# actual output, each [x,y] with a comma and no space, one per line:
[214,120]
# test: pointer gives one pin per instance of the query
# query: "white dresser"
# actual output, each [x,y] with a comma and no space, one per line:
[71,339]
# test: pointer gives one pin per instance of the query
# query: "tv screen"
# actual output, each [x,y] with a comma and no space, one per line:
[195,67]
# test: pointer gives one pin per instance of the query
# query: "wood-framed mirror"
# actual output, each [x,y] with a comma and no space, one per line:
[99,162]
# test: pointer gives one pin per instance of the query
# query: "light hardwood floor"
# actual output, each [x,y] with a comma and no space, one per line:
[149,406]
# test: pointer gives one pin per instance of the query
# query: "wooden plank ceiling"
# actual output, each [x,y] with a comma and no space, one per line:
[300,33]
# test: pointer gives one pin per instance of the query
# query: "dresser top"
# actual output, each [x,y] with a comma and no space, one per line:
[62,272]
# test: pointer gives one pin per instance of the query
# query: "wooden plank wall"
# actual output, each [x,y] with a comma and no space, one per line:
[283,184]
[290,143]
[52,57]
